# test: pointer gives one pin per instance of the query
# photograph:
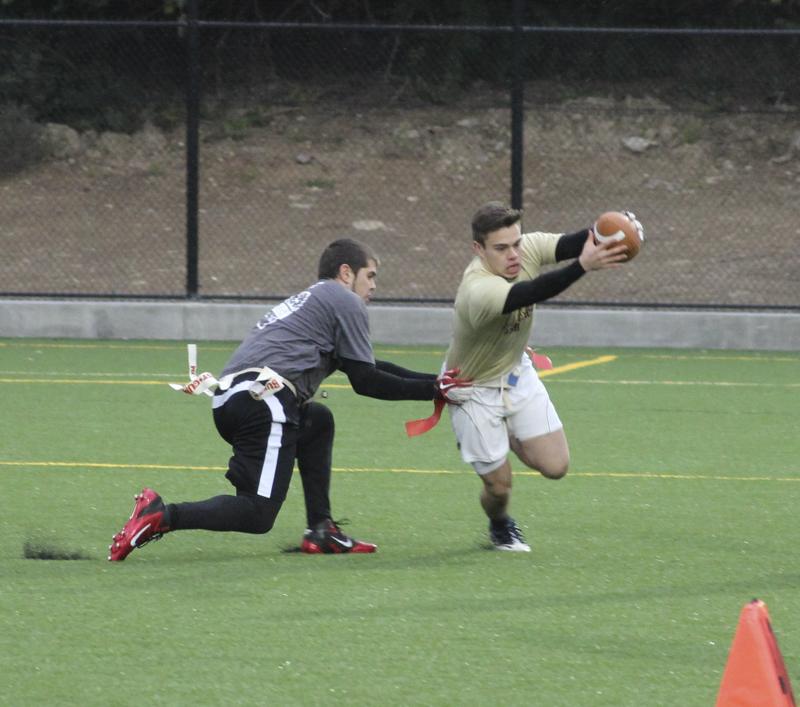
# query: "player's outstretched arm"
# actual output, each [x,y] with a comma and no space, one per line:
[393,368]
[373,382]
[593,256]
[570,245]
[524,294]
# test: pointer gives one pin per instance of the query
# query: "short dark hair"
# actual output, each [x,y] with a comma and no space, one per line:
[491,217]
[344,251]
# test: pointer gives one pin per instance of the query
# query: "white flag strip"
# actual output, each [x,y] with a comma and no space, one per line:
[204,384]
[266,383]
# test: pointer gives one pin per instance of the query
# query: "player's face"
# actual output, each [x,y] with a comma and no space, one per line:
[500,252]
[364,281]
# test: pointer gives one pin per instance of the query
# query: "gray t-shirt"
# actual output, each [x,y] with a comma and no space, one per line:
[305,337]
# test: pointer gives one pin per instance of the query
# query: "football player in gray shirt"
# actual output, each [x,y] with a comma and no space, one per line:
[265,411]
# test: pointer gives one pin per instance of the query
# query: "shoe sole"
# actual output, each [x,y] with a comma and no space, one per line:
[513,548]
[358,549]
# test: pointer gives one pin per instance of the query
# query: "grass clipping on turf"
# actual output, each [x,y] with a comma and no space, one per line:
[42,551]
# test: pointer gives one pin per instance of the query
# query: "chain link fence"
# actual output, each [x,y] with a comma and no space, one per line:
[394,136]
[104,213]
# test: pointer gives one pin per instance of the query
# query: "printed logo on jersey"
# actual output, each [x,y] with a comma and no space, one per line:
[516,318]
[284,309]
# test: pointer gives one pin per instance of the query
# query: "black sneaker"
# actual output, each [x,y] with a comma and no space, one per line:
[509,537]
[326,539]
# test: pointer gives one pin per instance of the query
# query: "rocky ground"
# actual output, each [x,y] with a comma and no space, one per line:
[718,195]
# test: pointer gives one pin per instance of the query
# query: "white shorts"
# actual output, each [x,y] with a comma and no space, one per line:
[484,423]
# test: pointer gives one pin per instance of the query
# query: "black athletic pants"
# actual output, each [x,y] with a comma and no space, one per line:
[266,436]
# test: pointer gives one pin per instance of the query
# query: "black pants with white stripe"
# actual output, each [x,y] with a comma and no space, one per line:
[266,436]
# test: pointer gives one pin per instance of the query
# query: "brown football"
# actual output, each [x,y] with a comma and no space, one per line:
[616,226]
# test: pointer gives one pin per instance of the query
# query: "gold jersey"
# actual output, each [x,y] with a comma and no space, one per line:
[486,343]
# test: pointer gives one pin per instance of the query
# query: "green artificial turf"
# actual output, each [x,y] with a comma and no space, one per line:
[678,509]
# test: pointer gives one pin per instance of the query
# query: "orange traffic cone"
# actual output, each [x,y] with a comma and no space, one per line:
[755,675]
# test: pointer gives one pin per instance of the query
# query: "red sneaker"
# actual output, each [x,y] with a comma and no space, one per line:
[327,539]
[145,524]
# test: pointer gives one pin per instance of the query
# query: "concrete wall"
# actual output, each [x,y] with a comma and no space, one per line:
[555,326]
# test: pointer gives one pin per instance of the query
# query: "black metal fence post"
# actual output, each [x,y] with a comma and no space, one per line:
[192,147]
[517,108]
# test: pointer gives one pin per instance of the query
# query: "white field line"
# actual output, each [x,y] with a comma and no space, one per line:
[723,384]
[99,378]
[721,357]
[180,346]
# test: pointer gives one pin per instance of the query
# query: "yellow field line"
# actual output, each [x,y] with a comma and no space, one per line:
[100,374]
[542,374]
[578,364]
[346,386]
[103,465]
[78,381]
[400,470]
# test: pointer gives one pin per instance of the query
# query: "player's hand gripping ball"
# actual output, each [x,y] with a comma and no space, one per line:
[621,226]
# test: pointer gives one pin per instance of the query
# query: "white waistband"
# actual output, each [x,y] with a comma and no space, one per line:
[507,380]
[263,373]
